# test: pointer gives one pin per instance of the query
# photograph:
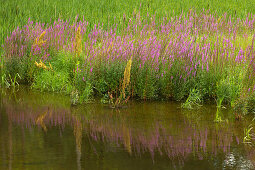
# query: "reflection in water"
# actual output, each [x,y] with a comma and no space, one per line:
[126,139]
[40,121]
[77,129]
[233,161]
[137,130]
[10,143]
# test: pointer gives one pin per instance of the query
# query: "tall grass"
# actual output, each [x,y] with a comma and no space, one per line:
[16,13]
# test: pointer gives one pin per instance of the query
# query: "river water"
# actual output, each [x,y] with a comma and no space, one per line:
[43,131]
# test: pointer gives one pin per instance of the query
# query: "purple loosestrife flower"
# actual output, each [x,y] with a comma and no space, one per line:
[253,88]
[77,68]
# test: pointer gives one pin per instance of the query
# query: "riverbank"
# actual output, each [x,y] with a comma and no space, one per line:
[190,58]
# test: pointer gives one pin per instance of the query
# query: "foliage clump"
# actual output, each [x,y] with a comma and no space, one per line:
[194,57]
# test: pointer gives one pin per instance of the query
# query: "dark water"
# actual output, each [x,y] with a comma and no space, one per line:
[43,131]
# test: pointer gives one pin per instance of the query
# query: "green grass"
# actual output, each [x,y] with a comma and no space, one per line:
[15,13]
[58,79]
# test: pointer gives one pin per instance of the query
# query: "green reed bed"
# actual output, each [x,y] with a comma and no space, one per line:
[193,56]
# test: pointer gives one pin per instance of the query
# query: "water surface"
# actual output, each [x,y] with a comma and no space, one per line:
[43,131]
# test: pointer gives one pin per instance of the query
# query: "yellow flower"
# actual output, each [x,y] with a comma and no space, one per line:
[36,64]
[39,40]
[50,66]
[126,79]
[77,42]
[43,66]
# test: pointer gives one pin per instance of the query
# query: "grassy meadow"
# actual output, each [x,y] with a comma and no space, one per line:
[16,13]
[191,50]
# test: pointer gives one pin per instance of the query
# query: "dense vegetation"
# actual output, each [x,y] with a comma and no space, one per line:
[178,50]
[16,13]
